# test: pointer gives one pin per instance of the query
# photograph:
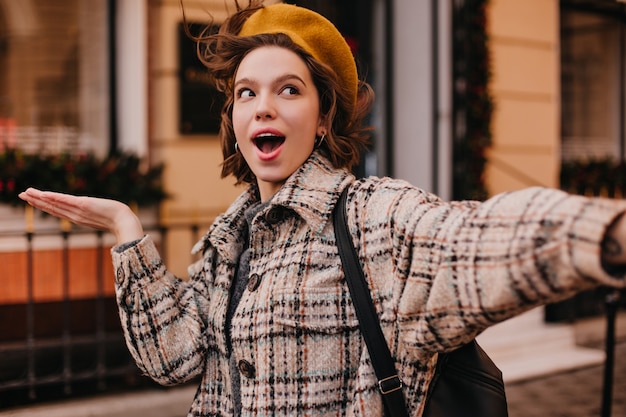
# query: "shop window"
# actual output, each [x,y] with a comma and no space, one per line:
[592,80]
[54,76]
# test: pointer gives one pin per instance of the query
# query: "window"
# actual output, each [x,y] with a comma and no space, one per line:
[54,78]
[200,102]
[592,80]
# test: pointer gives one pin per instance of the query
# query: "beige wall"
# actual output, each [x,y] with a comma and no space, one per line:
[524,42]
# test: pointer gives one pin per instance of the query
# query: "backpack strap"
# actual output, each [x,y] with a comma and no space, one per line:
[389,383]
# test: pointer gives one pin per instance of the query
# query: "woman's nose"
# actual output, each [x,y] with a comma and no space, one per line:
[265,108]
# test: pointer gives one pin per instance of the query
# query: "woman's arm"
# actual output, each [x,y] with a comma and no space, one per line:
[464,266]
[163,317]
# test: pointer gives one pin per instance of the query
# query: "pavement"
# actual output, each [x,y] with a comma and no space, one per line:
[166,402]
[576,392]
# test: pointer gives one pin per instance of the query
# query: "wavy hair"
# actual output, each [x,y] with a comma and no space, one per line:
[347,135]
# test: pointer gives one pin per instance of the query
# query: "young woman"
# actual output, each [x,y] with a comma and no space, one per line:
[266,317]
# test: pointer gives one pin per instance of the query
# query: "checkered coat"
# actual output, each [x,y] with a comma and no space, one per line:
[439,273]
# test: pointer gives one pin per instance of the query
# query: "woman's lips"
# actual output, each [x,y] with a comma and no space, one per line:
[268,143]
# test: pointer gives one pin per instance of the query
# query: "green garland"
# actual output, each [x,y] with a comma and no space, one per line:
[595,177]
[118,176]
[471,56]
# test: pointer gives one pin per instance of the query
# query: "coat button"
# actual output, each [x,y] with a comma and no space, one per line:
[274,215]
[253,282]
[120,274]
[246,369]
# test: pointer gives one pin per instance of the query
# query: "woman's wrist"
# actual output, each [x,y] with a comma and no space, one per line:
[127,226]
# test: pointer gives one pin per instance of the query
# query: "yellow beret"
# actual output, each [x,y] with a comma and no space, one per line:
[312,32]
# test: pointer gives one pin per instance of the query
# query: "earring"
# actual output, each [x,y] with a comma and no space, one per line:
[236,146]
[319,140]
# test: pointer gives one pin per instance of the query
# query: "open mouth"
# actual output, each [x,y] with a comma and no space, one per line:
[267,143]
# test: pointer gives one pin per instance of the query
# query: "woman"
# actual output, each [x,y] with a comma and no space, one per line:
[266,317]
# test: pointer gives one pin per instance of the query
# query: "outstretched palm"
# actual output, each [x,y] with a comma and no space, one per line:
[98,213]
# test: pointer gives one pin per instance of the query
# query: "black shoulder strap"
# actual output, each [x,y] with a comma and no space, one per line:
[389,383]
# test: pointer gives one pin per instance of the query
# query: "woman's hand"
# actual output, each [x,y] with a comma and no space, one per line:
[98,213]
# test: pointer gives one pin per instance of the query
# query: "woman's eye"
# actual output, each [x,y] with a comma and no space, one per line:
[244,93]
[290,90]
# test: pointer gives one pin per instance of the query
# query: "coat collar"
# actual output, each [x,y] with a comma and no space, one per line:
[311,192]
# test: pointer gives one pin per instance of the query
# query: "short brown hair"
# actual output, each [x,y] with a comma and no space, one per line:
[346,135]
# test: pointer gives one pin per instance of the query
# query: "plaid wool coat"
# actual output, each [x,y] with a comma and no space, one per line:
[439,273]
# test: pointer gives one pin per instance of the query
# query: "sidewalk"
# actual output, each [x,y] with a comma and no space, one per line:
[166,402]
[576,393]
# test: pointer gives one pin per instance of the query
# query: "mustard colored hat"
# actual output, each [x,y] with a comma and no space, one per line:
[312,32]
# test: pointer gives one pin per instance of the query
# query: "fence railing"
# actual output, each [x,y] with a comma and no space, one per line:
[60,333]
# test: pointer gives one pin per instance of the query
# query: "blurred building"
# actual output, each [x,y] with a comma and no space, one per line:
[107,74]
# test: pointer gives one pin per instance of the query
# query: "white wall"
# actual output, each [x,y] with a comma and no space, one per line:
[413,153]
[132,83]
[412,92]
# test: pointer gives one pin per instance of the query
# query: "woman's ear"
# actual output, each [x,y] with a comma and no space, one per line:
[322,130]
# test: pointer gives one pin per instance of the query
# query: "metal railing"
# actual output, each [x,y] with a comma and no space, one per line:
[70,345]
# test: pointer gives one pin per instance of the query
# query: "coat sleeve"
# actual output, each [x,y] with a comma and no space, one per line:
[460,267]
[163,317]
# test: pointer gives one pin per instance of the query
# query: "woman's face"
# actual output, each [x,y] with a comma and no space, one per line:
[276,115]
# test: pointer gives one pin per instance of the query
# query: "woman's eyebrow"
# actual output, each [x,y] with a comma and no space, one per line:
[281,79]
[288,77]
[243,81]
